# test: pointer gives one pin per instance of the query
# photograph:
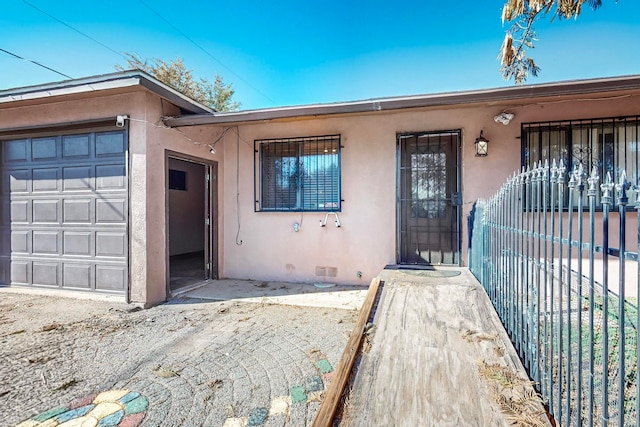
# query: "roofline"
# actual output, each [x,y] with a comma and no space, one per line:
[561,88]
[120,79]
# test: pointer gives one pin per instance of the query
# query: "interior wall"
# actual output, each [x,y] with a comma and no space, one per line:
[186,210]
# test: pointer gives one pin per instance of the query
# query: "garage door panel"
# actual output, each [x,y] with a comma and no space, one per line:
[46,242]
[110,177]
[76,276]
[110,144]
[111,244]
[19,212]
[46,179]
[44,148]
[64,209]
[46,211]
[110,277]
[76,178]
[45,273]
[111,210]
[77,243]
[17,181]
[15,151]
[20,272]
[77,211]
[20,242]
[76,146]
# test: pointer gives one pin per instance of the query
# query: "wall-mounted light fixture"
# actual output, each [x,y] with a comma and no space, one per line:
[504,118]
[482,145]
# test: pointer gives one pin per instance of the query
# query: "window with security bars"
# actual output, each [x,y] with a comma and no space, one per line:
[610,145]
[298,174]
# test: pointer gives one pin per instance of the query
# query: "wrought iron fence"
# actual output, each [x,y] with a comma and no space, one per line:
[562,273]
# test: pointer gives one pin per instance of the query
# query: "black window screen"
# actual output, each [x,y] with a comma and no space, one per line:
[298,174]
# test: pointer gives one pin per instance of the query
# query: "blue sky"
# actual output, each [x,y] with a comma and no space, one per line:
[301,52]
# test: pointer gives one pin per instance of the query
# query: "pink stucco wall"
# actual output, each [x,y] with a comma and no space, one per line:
[366,242]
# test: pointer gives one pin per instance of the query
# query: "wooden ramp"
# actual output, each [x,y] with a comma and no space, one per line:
[436,355]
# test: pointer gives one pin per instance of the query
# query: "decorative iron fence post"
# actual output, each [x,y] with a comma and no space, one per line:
[572,189]
[561,371]
[607,202]
[593,181]
[552,314]
[579,178]
[622,187]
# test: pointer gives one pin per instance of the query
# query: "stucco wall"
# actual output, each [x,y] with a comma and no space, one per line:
[267,247]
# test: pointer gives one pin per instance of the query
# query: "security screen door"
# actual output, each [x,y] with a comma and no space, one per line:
[429,202]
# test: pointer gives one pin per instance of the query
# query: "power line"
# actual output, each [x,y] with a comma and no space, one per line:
[203,50]
[74,29]
[35,62]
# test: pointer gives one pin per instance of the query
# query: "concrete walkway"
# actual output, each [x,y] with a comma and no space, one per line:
[436,354]
[282,293]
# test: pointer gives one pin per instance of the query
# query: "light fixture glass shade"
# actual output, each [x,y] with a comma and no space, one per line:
[482,146]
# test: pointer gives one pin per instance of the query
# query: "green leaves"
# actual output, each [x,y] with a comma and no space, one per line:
[217,95]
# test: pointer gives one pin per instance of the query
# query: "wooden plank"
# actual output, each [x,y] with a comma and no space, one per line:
[329,405]
[431,337]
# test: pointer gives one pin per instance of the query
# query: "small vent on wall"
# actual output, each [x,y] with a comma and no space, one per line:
[324,271]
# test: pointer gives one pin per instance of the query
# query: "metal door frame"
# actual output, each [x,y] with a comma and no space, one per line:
[458,219]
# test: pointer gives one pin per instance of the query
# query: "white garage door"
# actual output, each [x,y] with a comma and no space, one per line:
[64,211]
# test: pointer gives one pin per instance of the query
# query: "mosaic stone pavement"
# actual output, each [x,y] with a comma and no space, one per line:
[125,408]
[197,363]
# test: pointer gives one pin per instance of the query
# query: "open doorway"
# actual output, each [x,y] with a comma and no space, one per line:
[189,223]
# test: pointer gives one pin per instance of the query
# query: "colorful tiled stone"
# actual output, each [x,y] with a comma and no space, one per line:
[324,366]
[138,404]
[112,420]
[257,417]
[110,396]
[50,413]
[297,394]
[313,384]
[74,413]
[129,397]
[113,408]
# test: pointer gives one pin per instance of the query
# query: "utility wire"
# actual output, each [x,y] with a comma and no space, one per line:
[203,50]
[35,62]
[74,29]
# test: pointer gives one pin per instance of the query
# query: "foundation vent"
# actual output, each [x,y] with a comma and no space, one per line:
[324,271]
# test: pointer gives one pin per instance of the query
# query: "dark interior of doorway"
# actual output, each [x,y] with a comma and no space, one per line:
[186,210]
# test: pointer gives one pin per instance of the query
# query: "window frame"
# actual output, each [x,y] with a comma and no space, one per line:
[301,193]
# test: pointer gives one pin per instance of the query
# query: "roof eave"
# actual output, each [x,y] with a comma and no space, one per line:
[544,90]
[117,80]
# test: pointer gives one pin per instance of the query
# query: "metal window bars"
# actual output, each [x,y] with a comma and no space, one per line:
[297,174]
[565,285]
